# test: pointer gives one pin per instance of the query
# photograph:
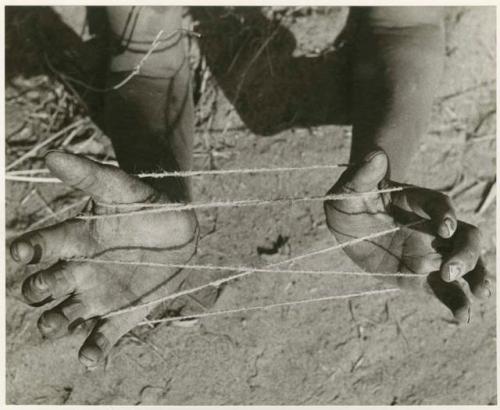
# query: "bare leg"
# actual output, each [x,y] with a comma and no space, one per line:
[150,119]
[398,55]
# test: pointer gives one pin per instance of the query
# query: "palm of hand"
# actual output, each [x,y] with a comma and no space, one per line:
[87,291]
[441,248]
[162,238]
[406,250]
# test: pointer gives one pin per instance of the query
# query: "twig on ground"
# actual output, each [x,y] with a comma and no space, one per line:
[359,327]
[481,139]
[58,213]
[154,348]
[488,200]
[37,148]
[27,196]
[46,206]
[466,90]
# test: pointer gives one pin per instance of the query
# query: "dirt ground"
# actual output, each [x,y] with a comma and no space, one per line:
[398,349]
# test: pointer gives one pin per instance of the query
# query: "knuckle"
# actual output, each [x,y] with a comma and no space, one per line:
[470,259]
[76,309]
[444,202]
[85,182]
[472,235]
[448,202]
[444,197]
[436,198]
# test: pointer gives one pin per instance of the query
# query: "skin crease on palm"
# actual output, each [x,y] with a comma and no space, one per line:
[85,292]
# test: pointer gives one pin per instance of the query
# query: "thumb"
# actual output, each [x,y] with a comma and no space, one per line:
[104,182]
[366,175]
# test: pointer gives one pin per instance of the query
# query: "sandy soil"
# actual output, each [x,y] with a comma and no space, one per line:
[400,349]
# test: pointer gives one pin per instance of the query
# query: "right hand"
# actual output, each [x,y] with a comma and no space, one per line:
[442,249]
[85,291]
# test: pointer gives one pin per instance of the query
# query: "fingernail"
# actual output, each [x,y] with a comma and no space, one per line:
[39,283]
[52,324]
[454,271]
[21,251]
[89,356]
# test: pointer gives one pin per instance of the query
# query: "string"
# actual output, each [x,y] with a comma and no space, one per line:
[158,208]
[137,69]
[29,172]
[16,175]
[156,42]
[20,176]
[38,180]
[219,282]
[243,268]
[239,171]
[271,306]
[62,211]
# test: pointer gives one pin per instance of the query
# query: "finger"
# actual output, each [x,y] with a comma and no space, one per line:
[429,262]
[64,240]
[105,335]
[478,281]
[451,295]
[428,203]
[105,183]
[81,327]
[49,284]
[465,253]
[59,280]
[367,175]
[55,323]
